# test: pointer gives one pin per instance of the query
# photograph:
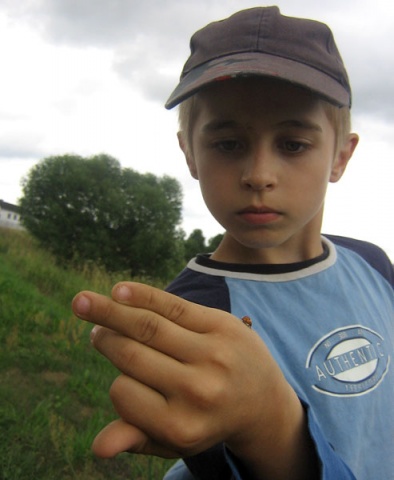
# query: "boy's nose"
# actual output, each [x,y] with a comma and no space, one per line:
[259,172]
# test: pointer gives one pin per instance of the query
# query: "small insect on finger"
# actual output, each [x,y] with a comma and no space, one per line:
[247,321]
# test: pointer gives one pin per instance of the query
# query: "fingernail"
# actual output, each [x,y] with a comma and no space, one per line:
[123,293]
[82,305]
[93,332]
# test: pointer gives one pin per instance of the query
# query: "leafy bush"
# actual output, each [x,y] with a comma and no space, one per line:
[90,209]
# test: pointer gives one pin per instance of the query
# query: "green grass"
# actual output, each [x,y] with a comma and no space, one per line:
[53,385]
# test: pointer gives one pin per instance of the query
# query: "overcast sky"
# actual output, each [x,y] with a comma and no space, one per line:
[91,76]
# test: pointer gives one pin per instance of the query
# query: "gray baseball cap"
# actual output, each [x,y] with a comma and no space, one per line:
[260,41]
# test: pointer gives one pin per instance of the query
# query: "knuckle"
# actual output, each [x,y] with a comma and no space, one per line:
[147,329]
[185,435]
[221,358]
[176,311]
[126,358]
[207,394]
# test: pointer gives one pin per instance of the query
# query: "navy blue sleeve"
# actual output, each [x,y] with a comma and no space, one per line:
[371,253]
[207,290]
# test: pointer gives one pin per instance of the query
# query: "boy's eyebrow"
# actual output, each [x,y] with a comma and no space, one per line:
[305,124]
[216,125]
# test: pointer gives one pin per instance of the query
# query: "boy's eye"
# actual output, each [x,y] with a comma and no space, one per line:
[292,146]
[228,145]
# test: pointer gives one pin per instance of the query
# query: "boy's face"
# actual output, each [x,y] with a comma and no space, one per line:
[264,152]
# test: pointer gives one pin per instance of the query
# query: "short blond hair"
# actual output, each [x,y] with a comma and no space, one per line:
[340,119]
[186,116]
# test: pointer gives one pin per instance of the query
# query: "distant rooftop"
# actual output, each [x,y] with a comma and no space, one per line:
[9,206]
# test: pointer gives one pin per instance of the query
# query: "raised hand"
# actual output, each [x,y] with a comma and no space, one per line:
[192,377]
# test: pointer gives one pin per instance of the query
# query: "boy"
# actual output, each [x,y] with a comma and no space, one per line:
[265,125]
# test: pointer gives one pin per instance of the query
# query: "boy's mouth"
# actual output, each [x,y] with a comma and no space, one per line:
[259,215]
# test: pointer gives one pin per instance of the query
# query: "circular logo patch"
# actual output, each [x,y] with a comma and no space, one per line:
[348,361]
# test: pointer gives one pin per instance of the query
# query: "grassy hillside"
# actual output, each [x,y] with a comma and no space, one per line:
[53,385]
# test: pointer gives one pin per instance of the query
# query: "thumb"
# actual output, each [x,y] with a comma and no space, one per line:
[119,436]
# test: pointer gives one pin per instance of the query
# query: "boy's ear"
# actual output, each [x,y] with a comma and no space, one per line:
[189,157]
[343,156]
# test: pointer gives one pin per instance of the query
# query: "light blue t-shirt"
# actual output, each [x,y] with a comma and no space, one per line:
[329,325]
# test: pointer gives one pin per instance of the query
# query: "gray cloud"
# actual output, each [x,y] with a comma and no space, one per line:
[146,38]
[104,23]
[149,39]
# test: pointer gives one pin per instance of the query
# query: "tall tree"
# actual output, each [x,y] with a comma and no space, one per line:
[92,209]
[214,242]
[194,244]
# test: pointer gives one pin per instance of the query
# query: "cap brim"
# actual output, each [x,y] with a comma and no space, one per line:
[250,64]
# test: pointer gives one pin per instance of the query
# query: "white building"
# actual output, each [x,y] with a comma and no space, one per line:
[9,215]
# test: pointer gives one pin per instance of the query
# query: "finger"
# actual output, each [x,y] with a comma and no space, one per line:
[142,325]
[192,316]
[144,364]
[148,411]
[119,436]
[172,423]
